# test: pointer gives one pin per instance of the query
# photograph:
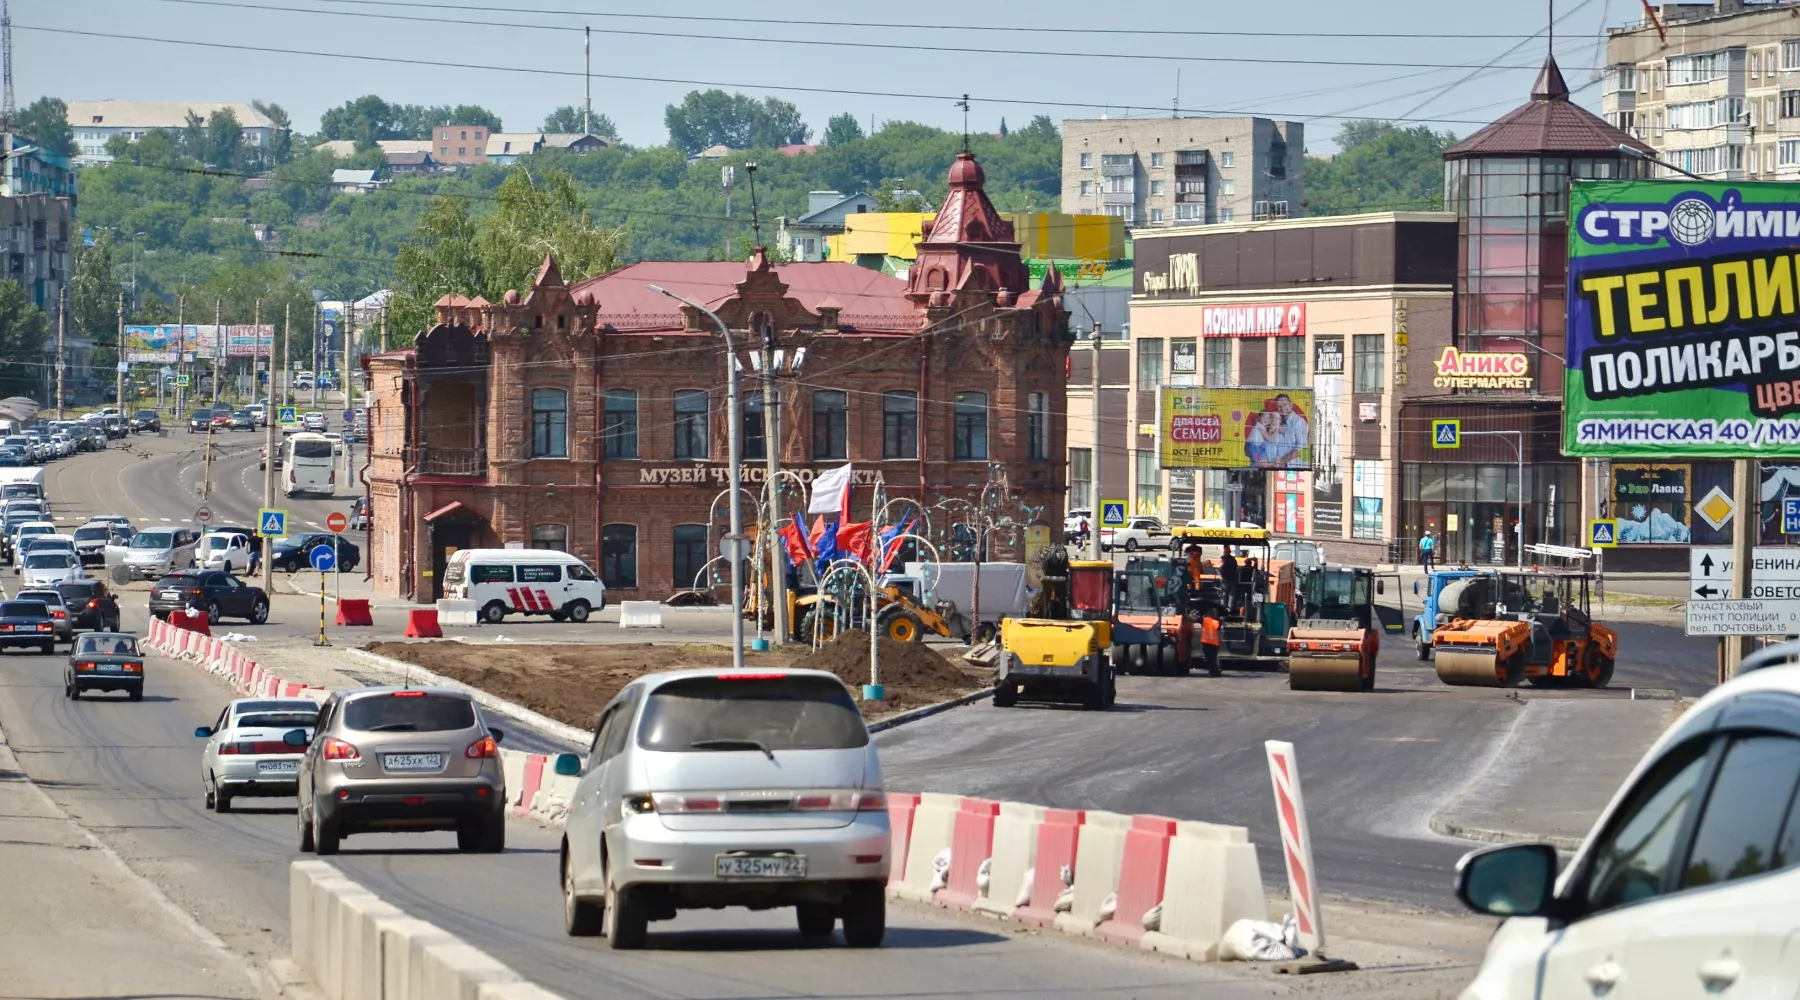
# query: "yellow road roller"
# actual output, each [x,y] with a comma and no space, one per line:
[1539,630]
[1334,644]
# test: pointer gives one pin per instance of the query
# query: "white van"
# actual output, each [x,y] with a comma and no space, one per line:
[524,581]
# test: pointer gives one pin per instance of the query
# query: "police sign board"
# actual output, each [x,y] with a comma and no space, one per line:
[1774,573]
[1790,516]
[1750,617]
[271,523]
[1446,434]
[1603,533]
[1112,513]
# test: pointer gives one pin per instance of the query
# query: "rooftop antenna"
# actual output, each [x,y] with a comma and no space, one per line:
[964,105]
[755,219]
[587,58]
[1175,105]
[1551,33]
[9,110]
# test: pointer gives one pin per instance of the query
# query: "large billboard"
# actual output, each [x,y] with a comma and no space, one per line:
[1683,304]
[1237,428]
[164,344]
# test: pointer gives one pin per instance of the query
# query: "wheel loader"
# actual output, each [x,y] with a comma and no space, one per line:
[1334,644]
[1528,627]
[1061,656]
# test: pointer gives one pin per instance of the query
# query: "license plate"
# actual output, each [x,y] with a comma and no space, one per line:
[277,767]
[760,865]
[171,593]
[413,761]
[109,668]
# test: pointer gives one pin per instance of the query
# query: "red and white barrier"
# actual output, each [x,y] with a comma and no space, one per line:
[1142,872]
[971,844]
[1058,838]
[1296,844]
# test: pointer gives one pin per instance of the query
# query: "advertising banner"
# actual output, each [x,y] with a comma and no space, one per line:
[1286,319]
[1328,455]
[249,341]
[1236,428]
[163,344]
[1651,503]
[1681,320]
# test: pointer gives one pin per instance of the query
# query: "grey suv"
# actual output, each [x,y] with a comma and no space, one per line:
[385,759]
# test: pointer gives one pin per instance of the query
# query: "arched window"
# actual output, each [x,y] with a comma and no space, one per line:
[549,423]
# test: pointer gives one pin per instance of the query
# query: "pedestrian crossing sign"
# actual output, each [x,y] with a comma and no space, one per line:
[1112,513]
[1603,533]
[289,416]
[1446,434]
[271,523]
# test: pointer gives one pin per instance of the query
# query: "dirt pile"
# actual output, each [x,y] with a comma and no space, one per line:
[573,683]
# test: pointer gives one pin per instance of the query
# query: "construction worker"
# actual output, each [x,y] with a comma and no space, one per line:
[1194,567]
[1209,642]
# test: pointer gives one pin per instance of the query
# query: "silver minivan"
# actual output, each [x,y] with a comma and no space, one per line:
[156,552]
[719,787]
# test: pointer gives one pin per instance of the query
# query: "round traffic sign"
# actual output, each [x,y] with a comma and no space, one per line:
[337,522]
[322,558]
[203,515]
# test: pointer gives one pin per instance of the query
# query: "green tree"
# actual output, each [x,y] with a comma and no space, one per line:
[224,140]
[46,122]
[841,129]
[23,331]
[1379,167]
[713,117]
[281,144]
[365,119]
[192,141]
[891,195]
[568,119]
[94,290]
[777,123]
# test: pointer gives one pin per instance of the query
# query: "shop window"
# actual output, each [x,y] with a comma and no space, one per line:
[550,536]
[830,423]
[1149,483]
[690,555]
[754,440]
[1149,362]
[1037,426]
[1290,361]
[549,423]
[900,424]
[1218,362]
[619,423]
[1081,478]
[691,432]
[618,555]
[971,444]
[1371,362]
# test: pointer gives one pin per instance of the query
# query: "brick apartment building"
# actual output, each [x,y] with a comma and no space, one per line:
[460,145]
[591,418]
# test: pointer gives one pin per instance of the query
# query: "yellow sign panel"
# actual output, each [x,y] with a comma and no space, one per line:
[1237,428]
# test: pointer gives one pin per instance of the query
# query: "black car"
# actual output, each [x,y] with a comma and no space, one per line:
[199,421]
[146,420]
[92,607]
[104,661]
[27,623]
[215,592]
[294,552]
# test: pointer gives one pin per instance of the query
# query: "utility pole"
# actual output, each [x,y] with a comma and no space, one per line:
[318,335]
[349,338]
[119,376]
[256,346]
[587,59]
[218,349]
[1093,520]
[181,343]
[62,326]
[1746,485]
[271,441]
[287,354]
[772,472]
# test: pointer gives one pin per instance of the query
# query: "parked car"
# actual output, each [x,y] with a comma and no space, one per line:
[199,420]
[91,605]
[294,552]
[1138,533]
[1686,886]
[1072,522]
[156,551]
[226,550]
[146,420]
[59,609]
[104,661]
[246,753]
[401,759]
[27,623]
[750,789]
[1304,555]
[215,592]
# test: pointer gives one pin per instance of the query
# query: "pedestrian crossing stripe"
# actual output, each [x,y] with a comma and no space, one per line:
[1446,433]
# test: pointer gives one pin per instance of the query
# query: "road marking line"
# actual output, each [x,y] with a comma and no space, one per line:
[165,520]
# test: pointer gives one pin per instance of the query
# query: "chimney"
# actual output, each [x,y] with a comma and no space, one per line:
[818,201]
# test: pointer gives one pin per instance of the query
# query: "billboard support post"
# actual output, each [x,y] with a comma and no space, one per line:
[1745,487]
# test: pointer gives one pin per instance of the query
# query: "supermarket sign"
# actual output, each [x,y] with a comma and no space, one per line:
[1482,370]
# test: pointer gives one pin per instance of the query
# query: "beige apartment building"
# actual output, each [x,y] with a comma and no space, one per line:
[1155,172]
[1721,98]
[459,144]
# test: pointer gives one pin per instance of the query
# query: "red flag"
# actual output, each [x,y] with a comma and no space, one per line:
[818,532]
[795,543]
[854,540]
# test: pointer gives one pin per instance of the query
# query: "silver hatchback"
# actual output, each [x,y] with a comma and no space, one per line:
[715,788]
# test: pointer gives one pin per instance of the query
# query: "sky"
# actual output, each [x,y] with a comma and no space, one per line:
[522,58]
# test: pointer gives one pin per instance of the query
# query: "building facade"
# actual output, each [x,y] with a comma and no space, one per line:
[96,122]
[1154,172]
[592,417]
[36,247]
[804,237]
[27,168]
[1348,307]
[459,145]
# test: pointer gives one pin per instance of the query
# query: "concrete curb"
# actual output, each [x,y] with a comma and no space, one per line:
[543,723]
[928,711]
[1567,845]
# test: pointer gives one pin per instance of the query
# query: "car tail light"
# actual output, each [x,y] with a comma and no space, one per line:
[82,667]
[414,800]
[336,749]
[263,747]
[639,804]
[230,748]
[93,604]
[676,803]
[134,668]
[59,614]
[484,747]
[46,628]
[752,677]
[865,859]
[409,694]
[840,800]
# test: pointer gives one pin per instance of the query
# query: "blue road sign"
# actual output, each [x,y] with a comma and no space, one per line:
[1446,434]
[271,523]
[1603,533]
[323,558]
[288,415]
[1790,516]
[1112,513]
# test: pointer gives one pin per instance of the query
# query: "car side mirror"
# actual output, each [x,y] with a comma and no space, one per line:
[202,732]
[295,738]
[499,735]
[568,765]
[1512,880]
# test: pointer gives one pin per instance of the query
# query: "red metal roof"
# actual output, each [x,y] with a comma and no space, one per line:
[1548,123]
[869,300]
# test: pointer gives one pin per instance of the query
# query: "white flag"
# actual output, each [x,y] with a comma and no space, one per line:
[829,491]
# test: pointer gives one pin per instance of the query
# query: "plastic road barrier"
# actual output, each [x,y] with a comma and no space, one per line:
[1213,882]
[1058,836]
[971,844]
[640,614]
[1296,844]
[354,611]
[422,623]
[1141,875]
[900,819]
[190,622]
[453,612]
[1014,851]
[934,820]
[1097,860]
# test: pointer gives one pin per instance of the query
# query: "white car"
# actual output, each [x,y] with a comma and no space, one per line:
[1138,533]
[1686,887]
[64,445]
[29,529]
[226,550]
[245,752]
[47,568]
[313,420]
[1304,555]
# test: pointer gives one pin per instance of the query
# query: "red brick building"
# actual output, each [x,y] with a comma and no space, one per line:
[592,418]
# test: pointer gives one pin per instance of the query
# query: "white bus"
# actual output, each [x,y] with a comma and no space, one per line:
[309,465]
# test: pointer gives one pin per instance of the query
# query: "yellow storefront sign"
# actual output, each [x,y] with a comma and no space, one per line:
[1237,428]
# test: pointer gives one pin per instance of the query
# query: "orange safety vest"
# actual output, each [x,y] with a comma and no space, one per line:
[1209,631]
[1194,570]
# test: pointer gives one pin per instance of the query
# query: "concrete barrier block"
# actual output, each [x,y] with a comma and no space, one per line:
[338,949]
[1058,836]
[458,613]
[1015,850]
[900,819]
[1212,882]
[512,769]
[403,940]
[554,796]
[514,991]
[640,614]
[455,971]
[934,822]
[1097,860]
[1142,872]
[361,947]
[971,844]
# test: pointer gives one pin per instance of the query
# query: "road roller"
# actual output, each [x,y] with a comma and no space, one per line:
[1334,645]
[1538,630]
[1151,633]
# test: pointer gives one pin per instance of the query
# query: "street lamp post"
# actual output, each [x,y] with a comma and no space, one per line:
[733,416]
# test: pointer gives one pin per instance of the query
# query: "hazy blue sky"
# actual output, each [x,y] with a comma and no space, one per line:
[1310,84]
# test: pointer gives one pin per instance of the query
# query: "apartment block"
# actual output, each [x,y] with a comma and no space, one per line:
[1155,172]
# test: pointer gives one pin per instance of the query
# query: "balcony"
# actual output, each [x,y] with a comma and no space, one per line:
[439,461]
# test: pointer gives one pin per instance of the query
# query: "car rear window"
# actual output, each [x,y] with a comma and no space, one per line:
[23,609]
[78,591]
[408,712]
[764,711]
[177,581]
[108,645]
[276,720]
[85,534]
[312,449]
[51,598]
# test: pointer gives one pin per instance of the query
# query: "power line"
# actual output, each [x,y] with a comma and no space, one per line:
[760,85]
[836,43]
